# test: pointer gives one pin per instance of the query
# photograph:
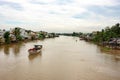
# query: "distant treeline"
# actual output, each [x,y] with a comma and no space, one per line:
[71,34]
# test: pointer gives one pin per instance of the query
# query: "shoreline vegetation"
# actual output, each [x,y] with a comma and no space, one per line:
[109,38]
[18,34]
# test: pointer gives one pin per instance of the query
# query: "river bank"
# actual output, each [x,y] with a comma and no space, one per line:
[103,48]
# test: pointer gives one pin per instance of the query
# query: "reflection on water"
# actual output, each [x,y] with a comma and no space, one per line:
[111,51]
[14,48]
[62,58]
[33,56]
[115,54]
[6,49]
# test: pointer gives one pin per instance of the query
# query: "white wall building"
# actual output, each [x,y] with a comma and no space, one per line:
[24,34]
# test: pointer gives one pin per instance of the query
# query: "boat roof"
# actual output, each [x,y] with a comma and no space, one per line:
[37,45]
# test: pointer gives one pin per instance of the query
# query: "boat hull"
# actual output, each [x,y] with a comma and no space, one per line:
[34,51]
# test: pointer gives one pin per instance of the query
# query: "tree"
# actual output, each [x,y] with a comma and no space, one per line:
[7,38]
[116,29]
[41,36]
[17,34]
[75,34]
[107,33]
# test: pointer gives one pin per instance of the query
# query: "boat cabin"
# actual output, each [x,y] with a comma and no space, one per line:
[37,46]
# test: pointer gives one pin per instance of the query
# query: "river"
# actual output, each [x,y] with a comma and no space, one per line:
[62,58]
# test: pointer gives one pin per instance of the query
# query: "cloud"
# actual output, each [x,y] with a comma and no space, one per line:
[11,4]
[64,2]
[59,15]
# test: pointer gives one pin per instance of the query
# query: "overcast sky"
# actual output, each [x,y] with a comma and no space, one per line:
[59,15]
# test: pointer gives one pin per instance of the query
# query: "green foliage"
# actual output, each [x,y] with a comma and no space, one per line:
[19,38]
[75,34]
[17,34]
[41,36]
[7,38]
[107,33]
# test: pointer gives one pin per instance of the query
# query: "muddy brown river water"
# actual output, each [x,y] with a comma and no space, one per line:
[62,58]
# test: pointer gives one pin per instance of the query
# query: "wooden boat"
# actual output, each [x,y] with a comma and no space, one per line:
[35,50]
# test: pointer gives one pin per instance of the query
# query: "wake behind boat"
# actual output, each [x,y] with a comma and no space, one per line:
[35,50]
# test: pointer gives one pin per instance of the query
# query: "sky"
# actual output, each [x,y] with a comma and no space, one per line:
[59,15]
